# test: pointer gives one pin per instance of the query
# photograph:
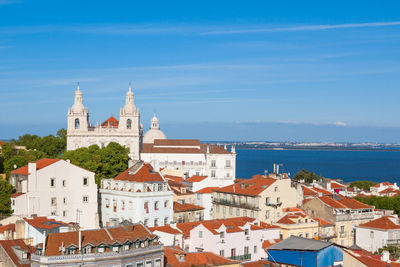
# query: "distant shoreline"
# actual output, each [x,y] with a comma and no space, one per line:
[319,149]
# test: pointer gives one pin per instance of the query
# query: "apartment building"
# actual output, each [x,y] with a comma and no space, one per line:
[261,197]
[346,213]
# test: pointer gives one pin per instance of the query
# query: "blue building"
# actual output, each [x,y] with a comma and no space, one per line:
[300,251]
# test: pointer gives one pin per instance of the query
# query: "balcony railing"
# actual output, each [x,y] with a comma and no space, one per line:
[235,204]
[393,241]
[241,257]
[354,216]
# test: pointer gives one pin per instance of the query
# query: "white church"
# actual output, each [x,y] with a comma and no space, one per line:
[181,157]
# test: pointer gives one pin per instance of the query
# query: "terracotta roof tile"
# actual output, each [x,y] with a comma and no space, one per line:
[166,229]
[145,173]
[335,185]
[383,223]
[110,122]
[7,227]
[40,164]
[182,146]
[250,187]
[195,179]
[44,222]
[268,243]
[8,248]
[383,183]
[178,207]
[96,237]
[370,261]
[341,202]
[17,195]
[206,190]
[193,259]
[322,222]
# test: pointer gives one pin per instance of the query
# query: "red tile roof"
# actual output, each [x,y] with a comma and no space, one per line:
[388,191]
[166,229]
[182,146]
[40,164]
[250,187]
[207,190]
[110,122]
[309,192]
[322,191]
[107,236]
[370,261]
[177,179]
[335,185]
[383,223]
[178,207]
[7,227]
[234,223]
[145,173]
[44,222]
[268,243]
[322,222]
[341,202]
[194,259]
[8,246]
[17,195]
[259,263]
[383,183]
[291,218]
[195,179]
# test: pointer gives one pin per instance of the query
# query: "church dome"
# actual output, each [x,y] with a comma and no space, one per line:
[154,132]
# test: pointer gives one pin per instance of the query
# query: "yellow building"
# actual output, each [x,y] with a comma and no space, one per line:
[298,223]
[261,197]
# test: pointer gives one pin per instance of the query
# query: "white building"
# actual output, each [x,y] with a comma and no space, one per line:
[378,233]
[204,198]
[139,194]
[239,238]
[127,131]
[58,189]
[154,132]
[187,157]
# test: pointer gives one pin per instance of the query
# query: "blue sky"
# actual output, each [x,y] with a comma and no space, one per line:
[215,70]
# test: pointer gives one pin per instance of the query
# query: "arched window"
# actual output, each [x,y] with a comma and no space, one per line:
[129,124]
[76,123]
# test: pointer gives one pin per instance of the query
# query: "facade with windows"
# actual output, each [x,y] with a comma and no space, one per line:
[186,157]
[345,213]
[57,189]
[261,197]
[127,131]
[139,194]
[128,246]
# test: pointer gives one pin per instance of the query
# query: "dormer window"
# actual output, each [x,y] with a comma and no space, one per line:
[87,250]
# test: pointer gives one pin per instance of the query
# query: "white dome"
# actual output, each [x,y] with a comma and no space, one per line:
[153,134]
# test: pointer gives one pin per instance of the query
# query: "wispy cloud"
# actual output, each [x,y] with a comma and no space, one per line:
[305,28]
[9,2]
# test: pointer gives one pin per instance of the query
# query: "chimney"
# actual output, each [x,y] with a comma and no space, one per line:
[80,241]
[32,167]
[208,149]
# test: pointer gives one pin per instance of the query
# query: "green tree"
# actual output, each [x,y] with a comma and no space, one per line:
[308,177]
[363,184]
[6,190]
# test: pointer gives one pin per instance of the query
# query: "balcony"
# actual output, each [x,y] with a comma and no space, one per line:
[276,205]
[354,216]
[241,257]
[235,204]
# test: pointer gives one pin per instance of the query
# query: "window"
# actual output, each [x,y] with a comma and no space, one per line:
[76,123]
[200,234]
[255,249]
[71,251]
[146,222]
[300,234]
[146,206]
[342,231]
[100,249]
[156,205]
[252,214]
[307,235]
[53,201]
[228,163]
[85,181]
[267,214]
[165,220]
[223,210]
[276,189]
[158,263]
[130,205]
[278,200]
[85,199]
[122,205]
[217,208]
[114,205]
[222,252]
[238,212]
[128,124]
[64,213]
[246,250]
[221,235]
[230,211]
[213,163]
[267,200]
[213,174]
[233,252]
[371,234]
[155,222]
[52,182]
[244,213]
[87,250]
[64,183]
[246,231]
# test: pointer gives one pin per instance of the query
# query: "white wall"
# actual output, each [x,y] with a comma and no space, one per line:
[38,198]
[205,201]
[365,241]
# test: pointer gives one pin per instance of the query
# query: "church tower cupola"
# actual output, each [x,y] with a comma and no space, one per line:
[129,108]
[78,106]
[154,123]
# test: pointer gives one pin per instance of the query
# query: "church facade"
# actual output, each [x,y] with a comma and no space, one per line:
[126,131]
